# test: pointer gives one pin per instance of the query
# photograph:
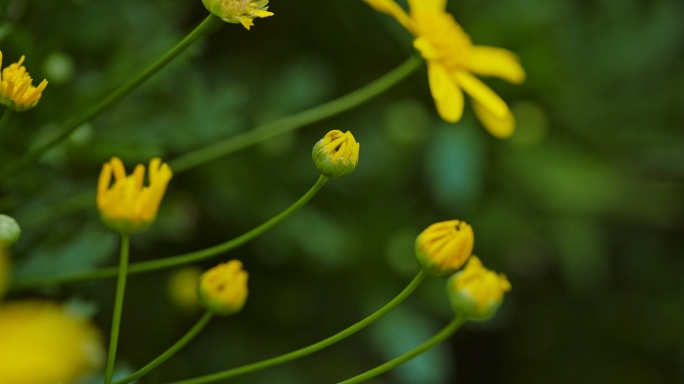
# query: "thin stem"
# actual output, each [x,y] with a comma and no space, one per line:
[436,339]
[314,347]
[196,329]
[264,132]
[118,308]
[201,30]
[5,119]
[298,120]
[180,259]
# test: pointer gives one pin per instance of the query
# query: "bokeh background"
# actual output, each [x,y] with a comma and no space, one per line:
[583,208]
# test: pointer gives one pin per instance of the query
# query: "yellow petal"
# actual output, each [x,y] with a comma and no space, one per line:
[499,127]
[262,13]
[492,61]
[246,22]
[427,5]
[482,94]
[393,9]
[448,96]
[426,49]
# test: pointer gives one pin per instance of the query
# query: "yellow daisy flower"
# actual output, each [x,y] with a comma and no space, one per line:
[453,61]
[16,90]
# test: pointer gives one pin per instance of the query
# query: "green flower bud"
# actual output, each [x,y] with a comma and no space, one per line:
[9,231]
[223,289]
[336,155]
[238,11]
[476,292]
[444,247]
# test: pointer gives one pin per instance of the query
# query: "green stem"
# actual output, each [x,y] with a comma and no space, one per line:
[196,329]
[436,339]
[180,259]
[5,119]
[235,143]
[314,347]
[201,30]
[298,120]
[118,308]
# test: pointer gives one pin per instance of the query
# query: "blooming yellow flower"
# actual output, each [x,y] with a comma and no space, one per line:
[128,206]
[223,289]
[444,247]
[477,292]
[238,11]
[183,288]
[452,61]
[336,154]
[16,90]
[42,342]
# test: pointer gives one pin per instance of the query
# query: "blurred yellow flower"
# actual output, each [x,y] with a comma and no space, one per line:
[452,61]
[4,271]
[16,90]
[444,247]
[183,288]
[238,11]
[477,292]
[42,342]
[223,289]
[128,206]
[336,154]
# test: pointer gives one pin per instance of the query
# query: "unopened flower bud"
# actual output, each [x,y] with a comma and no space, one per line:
[223,289]
[476,292]
[238,11]
[9,231]
[444,247]
[336,154]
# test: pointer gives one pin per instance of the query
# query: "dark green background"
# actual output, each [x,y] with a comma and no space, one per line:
[583,208]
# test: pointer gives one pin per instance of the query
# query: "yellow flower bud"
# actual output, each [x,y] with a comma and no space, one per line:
[9,231]
[183,288]
[223,289]
[444,247]
[336,154]
[476,292]
[44,342]
[16,89]
[238,11]
[4,271]
[128,206]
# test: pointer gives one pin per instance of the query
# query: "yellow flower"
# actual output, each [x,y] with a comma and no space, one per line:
[128,206]
[444,247]
[42,342]
[223,289]
[336,154]
[452,61]
[16,90]
[4,271]
[238,11]
[183,288]
[477,292]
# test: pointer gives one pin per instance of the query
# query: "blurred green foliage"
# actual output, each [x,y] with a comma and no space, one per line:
[583,208]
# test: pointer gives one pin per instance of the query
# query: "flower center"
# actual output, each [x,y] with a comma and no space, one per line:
[447,38]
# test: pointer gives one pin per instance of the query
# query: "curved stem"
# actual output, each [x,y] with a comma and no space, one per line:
[298,120]
[5,119]
[180,259]
[264,132]
[201,30]
[196,329]
[436,339]
[118,308]
[314,347]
